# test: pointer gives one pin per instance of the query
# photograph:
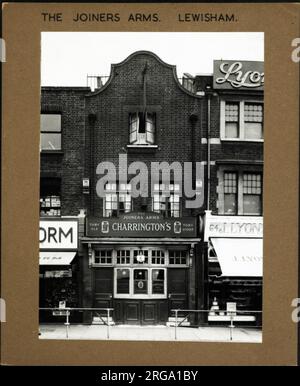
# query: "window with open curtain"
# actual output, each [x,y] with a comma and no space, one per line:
[142,128]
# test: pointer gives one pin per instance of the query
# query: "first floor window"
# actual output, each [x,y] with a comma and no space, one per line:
[230,193]
[117,199]
[50,132]
[166,199]
[252,193]
[240,193]
[141,128]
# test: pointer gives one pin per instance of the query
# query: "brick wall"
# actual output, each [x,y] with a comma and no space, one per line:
[86,141]
[124,94]
[69,163]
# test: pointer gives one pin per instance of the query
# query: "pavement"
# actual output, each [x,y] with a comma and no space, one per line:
[151,333]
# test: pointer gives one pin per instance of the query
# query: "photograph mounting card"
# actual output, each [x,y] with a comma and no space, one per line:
[152,200]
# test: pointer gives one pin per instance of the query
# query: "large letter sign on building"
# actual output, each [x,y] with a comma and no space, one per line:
[61,234]
[232,74]
[141,225]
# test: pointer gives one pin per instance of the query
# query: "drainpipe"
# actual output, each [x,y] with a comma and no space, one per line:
[193,120]
[92,117]
[208,152]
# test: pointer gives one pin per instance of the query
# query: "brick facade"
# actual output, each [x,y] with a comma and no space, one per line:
[95,128]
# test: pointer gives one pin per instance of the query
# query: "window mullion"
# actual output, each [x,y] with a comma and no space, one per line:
[240,192]
[242,120]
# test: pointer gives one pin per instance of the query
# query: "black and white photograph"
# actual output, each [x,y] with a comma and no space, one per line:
[151,186]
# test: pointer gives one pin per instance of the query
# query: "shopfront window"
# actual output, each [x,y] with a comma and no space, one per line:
[117,199]
[158,281]
[103,257]
[158,257]
[123,256]
[140,281]
[123,281]
[50,202]
[140,256]
[177,257]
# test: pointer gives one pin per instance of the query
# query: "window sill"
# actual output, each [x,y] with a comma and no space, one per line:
[241,140]
[137,297]
[46,152]
[142,148]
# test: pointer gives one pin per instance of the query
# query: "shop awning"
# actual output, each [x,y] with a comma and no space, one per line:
[56,258]
[239,256]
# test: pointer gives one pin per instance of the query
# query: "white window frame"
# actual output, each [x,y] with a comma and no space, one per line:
[159,190]
[141,138]
[131,294]
[117,192]
[94,264]
[241,121]
[240,194]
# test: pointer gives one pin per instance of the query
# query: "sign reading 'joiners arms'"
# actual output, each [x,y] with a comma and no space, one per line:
[233,74]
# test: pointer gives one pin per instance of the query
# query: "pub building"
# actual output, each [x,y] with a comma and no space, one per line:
[144,256]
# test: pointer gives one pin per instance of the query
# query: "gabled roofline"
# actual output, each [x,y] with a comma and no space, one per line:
[143,52]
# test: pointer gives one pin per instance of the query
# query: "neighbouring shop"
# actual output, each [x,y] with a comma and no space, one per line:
[59,281]
[235,266]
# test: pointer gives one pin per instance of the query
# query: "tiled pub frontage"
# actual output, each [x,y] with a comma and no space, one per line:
[142,265]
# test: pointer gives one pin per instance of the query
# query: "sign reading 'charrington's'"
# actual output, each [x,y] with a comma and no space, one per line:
[234,74]
[141,225]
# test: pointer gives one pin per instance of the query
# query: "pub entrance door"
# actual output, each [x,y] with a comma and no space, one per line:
[103,289]
[177,288]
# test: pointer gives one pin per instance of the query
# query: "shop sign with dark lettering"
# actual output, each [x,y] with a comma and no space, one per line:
[232,226]
[233,74]
[141,225]
[58,234]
